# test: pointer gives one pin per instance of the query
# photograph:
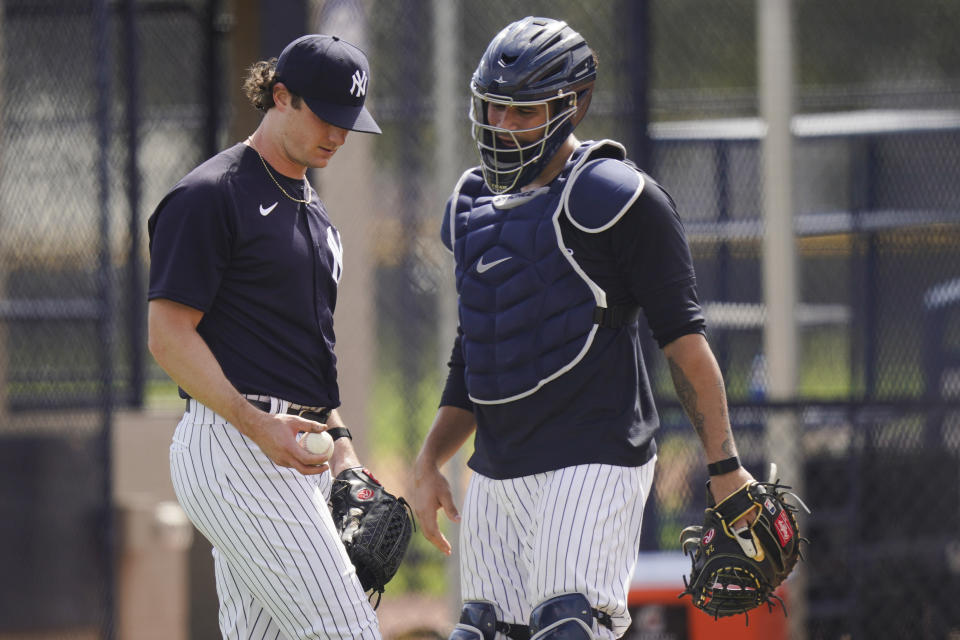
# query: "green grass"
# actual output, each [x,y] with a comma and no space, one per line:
[161,394]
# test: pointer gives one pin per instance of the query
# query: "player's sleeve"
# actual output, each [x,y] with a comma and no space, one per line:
[446,233]
[455,390]
[190,243]
[651,248]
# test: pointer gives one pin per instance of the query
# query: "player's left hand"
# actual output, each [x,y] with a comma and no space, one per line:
[727,484]
[736,569]
[374,525]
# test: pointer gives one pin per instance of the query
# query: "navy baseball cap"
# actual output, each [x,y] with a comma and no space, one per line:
[331,75]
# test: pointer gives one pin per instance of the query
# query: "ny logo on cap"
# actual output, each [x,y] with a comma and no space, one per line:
[359,87]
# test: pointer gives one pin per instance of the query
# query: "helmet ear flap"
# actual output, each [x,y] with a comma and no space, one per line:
[584,94]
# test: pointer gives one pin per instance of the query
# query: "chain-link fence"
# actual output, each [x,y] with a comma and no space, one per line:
[84,83]
[877,222]
[96,128]
[55,275]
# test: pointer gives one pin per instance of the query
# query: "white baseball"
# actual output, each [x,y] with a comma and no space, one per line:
[319,443]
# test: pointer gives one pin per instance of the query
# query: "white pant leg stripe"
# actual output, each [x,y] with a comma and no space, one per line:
[490,568]
[643,483]
[469,588]
[194,502]
[552,555]
[228,535]
[216,526]
[331,545]
[585,535]
[602,569]
[204,513]
[590,535]
[610,585]
[198,508]
[520,496]
[579,529]
[293,559]
[263,624]
[248,624]
[564,508]
[283,491]
[246,618]
[629,522]
[229,610]
[225,536]
[262,585]
[583,522]
[546,562]
[485,547]
[508,562]
[293,490]
[606,571]
[260,617]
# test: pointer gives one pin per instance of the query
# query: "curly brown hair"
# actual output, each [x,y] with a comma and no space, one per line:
[258,86]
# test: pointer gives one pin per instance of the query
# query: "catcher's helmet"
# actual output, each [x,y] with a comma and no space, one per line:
[534,61]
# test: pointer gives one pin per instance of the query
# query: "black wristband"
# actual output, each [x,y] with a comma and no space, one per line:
[723,466]
[339,432]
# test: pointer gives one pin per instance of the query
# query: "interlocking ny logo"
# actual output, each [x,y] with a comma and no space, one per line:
[359,87]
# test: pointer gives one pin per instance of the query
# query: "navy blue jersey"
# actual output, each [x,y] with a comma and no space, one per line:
[602,409]
[262,268]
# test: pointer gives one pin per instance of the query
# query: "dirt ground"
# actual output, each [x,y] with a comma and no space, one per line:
[411,617]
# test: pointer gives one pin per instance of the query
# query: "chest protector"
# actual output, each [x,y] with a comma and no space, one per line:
[527,310]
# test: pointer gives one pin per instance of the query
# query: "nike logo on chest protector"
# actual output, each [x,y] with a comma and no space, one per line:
[483,267]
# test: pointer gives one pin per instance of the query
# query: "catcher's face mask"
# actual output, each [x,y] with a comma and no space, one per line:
[513,157]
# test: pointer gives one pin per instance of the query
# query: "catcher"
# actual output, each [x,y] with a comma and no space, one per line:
[558,245]
[747,546]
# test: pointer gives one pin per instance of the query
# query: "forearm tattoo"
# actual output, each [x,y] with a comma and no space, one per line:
[687,395]
[727,445]
[689,400]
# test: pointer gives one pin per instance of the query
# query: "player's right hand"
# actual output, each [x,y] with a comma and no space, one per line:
[431,492]
[276,435]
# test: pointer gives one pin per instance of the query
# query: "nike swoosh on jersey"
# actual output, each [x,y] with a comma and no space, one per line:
[481,267]
[265,211]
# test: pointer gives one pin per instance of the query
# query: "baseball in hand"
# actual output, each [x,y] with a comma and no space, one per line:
[319,443]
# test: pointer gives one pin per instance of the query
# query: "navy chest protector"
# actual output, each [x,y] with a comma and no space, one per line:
[527,310]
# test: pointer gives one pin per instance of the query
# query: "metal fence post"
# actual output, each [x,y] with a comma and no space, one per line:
[780,280]
[136,296]
[107,295]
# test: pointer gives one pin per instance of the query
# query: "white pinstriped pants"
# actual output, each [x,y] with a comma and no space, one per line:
[576,529]
[280,567]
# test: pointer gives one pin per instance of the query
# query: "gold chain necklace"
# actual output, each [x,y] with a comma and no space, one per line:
[306,185]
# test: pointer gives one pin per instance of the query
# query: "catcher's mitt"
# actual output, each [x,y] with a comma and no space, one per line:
[374,525]
[736,571]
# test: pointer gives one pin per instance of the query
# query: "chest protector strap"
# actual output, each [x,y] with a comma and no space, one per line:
[616,316]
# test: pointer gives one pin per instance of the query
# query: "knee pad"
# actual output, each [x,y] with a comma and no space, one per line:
[465,632]
[568,616]
[478,621]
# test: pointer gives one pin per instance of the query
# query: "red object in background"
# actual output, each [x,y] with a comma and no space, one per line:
[659,615]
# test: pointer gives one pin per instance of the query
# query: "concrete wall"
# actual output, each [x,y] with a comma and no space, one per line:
[155,537]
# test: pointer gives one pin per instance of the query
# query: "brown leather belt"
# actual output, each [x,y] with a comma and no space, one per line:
[310,414]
